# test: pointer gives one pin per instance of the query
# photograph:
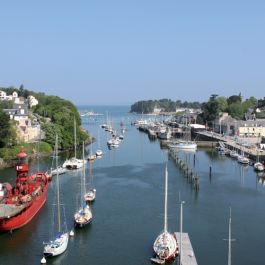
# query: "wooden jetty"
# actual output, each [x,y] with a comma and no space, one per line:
[188,256]
[187,171]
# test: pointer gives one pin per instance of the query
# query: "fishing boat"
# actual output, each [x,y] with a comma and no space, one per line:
[20,203]
[165,245]
[83,216]
[59,241]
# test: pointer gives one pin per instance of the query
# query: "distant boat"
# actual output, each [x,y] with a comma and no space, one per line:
[164,133]
[259,166]
[234,154]
[99,152]
[59,242]
[165,245]
[186,145]
[242,159]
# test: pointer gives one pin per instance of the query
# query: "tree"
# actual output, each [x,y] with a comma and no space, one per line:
[5,129]
[236,110]
[210,110]
[233,99]
[222,103]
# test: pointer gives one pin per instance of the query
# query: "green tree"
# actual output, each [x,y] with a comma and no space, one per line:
[5,128]
[210,110]
[222,103]
[233,99]
[236,110]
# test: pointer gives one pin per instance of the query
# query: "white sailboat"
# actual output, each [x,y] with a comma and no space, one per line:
[59,169]
[99,152]
[58,244]
[242,159]
[91,157]
[258,166]
[165,245]
[186,143]
[83,216]
[74,163]
[90,195]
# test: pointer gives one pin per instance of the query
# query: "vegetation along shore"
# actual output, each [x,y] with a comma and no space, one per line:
[31,120]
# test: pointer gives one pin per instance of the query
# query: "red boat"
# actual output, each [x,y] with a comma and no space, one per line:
[18,205]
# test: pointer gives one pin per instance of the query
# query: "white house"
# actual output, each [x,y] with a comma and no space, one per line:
[32,101]
[2,95]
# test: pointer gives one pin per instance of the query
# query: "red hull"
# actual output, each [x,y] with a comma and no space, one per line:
[26,215]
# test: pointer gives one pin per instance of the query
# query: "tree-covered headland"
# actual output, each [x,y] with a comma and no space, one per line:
[166,105]
[55,116]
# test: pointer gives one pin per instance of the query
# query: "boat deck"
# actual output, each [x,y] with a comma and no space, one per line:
[188,256]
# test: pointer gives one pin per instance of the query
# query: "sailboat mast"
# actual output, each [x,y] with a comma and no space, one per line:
[58,188]
[84,175]
[181,226]
[75,135]
[229,240]
[166,187]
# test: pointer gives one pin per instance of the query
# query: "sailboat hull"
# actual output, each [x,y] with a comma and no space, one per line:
[165,246]
[57,246]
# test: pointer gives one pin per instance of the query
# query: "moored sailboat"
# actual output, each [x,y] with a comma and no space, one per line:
[90,195]
[58,244]
[74,163]
[165,245]
[83,216]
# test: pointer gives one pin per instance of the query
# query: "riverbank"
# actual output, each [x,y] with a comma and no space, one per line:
[34,151]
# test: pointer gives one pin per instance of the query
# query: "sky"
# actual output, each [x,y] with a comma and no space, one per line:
[117,52]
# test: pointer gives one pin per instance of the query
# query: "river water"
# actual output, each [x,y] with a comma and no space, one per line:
[128,211]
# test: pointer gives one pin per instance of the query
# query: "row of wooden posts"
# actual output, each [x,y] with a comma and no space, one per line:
[188,172]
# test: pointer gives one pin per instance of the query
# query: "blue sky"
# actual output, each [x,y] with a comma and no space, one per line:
[121,51]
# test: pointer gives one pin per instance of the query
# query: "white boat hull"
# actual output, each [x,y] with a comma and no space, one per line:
[165,246]
[186,146]
[57,246]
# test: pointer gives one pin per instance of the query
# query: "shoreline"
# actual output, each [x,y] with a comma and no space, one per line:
[10,163]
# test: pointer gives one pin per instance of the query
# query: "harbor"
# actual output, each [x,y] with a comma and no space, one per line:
[127,213]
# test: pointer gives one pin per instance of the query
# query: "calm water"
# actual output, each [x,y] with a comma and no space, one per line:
[128,211]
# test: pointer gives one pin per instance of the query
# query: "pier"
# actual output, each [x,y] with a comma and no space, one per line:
[187,171]
[188,256]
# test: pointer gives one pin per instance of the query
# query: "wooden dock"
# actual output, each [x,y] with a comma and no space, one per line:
[188,256]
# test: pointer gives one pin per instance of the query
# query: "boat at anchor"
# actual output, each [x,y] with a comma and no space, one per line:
[20,203]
